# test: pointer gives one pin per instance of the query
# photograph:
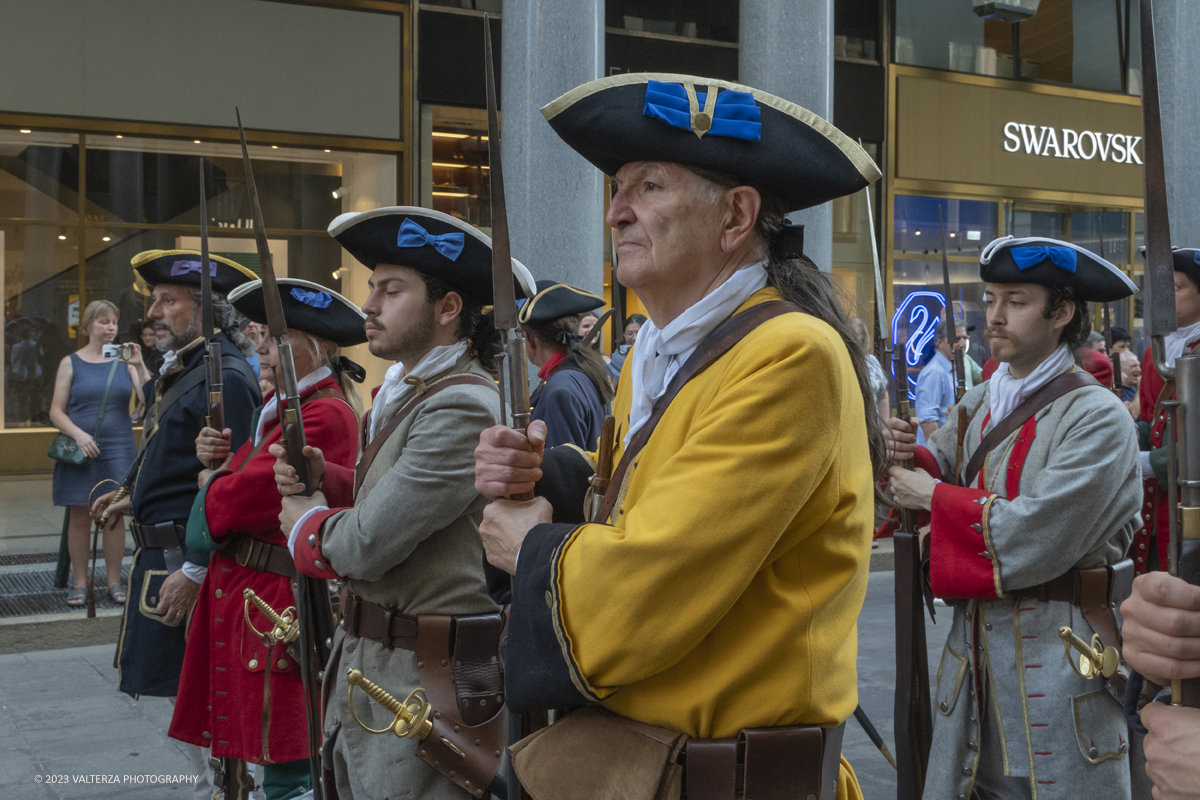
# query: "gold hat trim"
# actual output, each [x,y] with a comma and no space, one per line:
[527,309]
[153,255]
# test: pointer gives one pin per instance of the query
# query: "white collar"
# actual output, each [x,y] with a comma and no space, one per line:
[399,383]
[1007,392]
[658,354]
[271,408]
[1176,341]
[171,357]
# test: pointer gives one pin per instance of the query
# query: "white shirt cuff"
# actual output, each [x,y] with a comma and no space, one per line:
[194,572]
[300,524]
[1147,471]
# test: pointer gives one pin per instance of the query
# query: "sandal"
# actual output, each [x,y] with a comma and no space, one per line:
[118,594]
[77,597]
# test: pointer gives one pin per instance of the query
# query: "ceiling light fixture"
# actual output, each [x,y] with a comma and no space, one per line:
[274,147]
[119,136]
[341,192]
[26,130]
[106,238]
[62,237]
[328,151]
[451,194]
[449,135]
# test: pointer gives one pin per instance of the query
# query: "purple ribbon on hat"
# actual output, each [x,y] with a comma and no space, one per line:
[184,267]
[314,299]
[1065,258]
[448,244]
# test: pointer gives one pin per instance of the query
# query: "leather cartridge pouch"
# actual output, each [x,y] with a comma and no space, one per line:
[594,754]
[458,661]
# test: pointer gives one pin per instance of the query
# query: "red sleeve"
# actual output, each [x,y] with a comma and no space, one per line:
[961,561]
[307,550]
[338,486]
[248,500]
[922,459]
[1149,388]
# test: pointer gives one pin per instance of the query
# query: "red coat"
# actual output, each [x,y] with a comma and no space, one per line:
[1154,505]
[223,691]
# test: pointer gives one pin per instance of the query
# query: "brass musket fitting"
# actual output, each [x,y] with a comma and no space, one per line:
[412,718]
[286,628]
[1095,660]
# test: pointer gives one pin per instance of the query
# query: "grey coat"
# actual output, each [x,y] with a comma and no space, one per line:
[1077,506]
[411,542]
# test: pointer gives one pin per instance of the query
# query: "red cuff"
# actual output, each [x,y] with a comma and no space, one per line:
[307,552]
[922,459]
[962,562]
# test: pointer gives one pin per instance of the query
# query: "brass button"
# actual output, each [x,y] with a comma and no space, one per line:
[312,540]
[153,601]
[206,734]
[282,663]
[254,663]
[701,123]
[317,563]
[549,600]
[220,594]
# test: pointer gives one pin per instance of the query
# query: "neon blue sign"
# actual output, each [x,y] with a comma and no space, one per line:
[921,311]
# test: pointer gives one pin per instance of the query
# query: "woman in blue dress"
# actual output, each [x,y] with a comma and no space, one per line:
[74,410]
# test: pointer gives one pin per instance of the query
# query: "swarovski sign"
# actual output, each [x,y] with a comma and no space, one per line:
[1065,143]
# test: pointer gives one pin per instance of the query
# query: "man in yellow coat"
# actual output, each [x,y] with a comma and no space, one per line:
[718,596]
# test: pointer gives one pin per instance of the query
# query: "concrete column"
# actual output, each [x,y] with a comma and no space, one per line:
[1176,27]
[786,48]
[555,198]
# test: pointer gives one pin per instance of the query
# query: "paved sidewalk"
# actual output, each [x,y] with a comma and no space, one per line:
[61,714]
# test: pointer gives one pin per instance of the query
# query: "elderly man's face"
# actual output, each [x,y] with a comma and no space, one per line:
[663,225]
[1131,368]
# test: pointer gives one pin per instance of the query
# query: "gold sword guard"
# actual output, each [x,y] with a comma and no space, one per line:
[412,718]
[1095,660]
[286,627]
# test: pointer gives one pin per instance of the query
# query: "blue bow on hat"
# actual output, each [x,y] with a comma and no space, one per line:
[314,299]
[184,267]
[448,244]
[1065,258]
[734,114]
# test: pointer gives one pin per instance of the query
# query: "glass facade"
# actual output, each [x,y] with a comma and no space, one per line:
[1083,43]
[75,209]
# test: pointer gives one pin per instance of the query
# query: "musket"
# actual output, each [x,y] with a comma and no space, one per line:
[212,348]
[912,710]
[1115,358]
[1183,414]
[594,333]
[603,476]
[313,612]
[960,375]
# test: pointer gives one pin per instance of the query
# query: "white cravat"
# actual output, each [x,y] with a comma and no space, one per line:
[271,409]
[171,357]
[1008,392]
[398,383]
[658,354]
[1178,340]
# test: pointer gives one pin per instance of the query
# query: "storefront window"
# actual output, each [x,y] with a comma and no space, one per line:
[856,30]
[1079,42]
[716,20]
[140,194]
[457,173]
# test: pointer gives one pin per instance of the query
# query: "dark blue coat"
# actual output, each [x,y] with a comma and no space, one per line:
[571,406]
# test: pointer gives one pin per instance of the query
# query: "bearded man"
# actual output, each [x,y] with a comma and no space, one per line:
[165,577]
[716,592]
[402,528]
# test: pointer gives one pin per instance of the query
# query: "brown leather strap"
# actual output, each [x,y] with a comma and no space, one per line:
[259,555]
[781,763]
[372,449]
[711,769]
[715,345]
[384,625]
[1056,388]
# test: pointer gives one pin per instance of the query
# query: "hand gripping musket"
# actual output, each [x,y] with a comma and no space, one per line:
[1182,415]
[212,348]
[314,616]
[912,702]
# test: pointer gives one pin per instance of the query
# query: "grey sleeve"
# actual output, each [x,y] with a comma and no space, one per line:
[429,485]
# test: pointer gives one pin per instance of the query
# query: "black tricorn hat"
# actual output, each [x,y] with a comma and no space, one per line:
[428,241]
[770,143]
[1185,260]
[308,307]
[1050,262]
[557,300]
[182,267]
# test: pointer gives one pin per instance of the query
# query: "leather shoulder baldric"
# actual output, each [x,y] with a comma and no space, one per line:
[372,449]
[320,394]
[715,345]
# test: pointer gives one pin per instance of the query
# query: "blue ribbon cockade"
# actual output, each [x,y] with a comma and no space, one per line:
[314,299]
[1064,258]
[1196,257]
[184,267]
[735,114]
[448,244]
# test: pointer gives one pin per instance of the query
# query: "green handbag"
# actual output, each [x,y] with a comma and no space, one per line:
[64,448]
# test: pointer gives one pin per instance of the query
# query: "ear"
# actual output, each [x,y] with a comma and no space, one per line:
[1063,315]
[742,204]
[448,309]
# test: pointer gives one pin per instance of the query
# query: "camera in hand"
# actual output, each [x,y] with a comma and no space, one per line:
[121,351]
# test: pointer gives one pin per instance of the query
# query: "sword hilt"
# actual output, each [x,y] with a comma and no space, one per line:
[1095,660]
[286,629]
[411,718]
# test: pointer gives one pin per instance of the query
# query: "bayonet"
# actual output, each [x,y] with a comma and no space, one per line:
[1115,358]
[215,417]
[314,615]
[959,364]
[514,369]
[881,323]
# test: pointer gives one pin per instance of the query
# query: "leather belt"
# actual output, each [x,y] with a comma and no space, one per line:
[799,761]
[165,536]
[384,625]
[259,555]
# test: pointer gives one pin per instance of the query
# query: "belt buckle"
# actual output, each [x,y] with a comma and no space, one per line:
[247,545]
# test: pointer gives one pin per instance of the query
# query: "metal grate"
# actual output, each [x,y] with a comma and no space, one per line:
[33,592]
[14,559]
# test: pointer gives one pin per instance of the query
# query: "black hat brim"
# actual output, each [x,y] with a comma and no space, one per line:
[156,267]
[1094,279]
[557,300]
[801,158]
[341,322]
